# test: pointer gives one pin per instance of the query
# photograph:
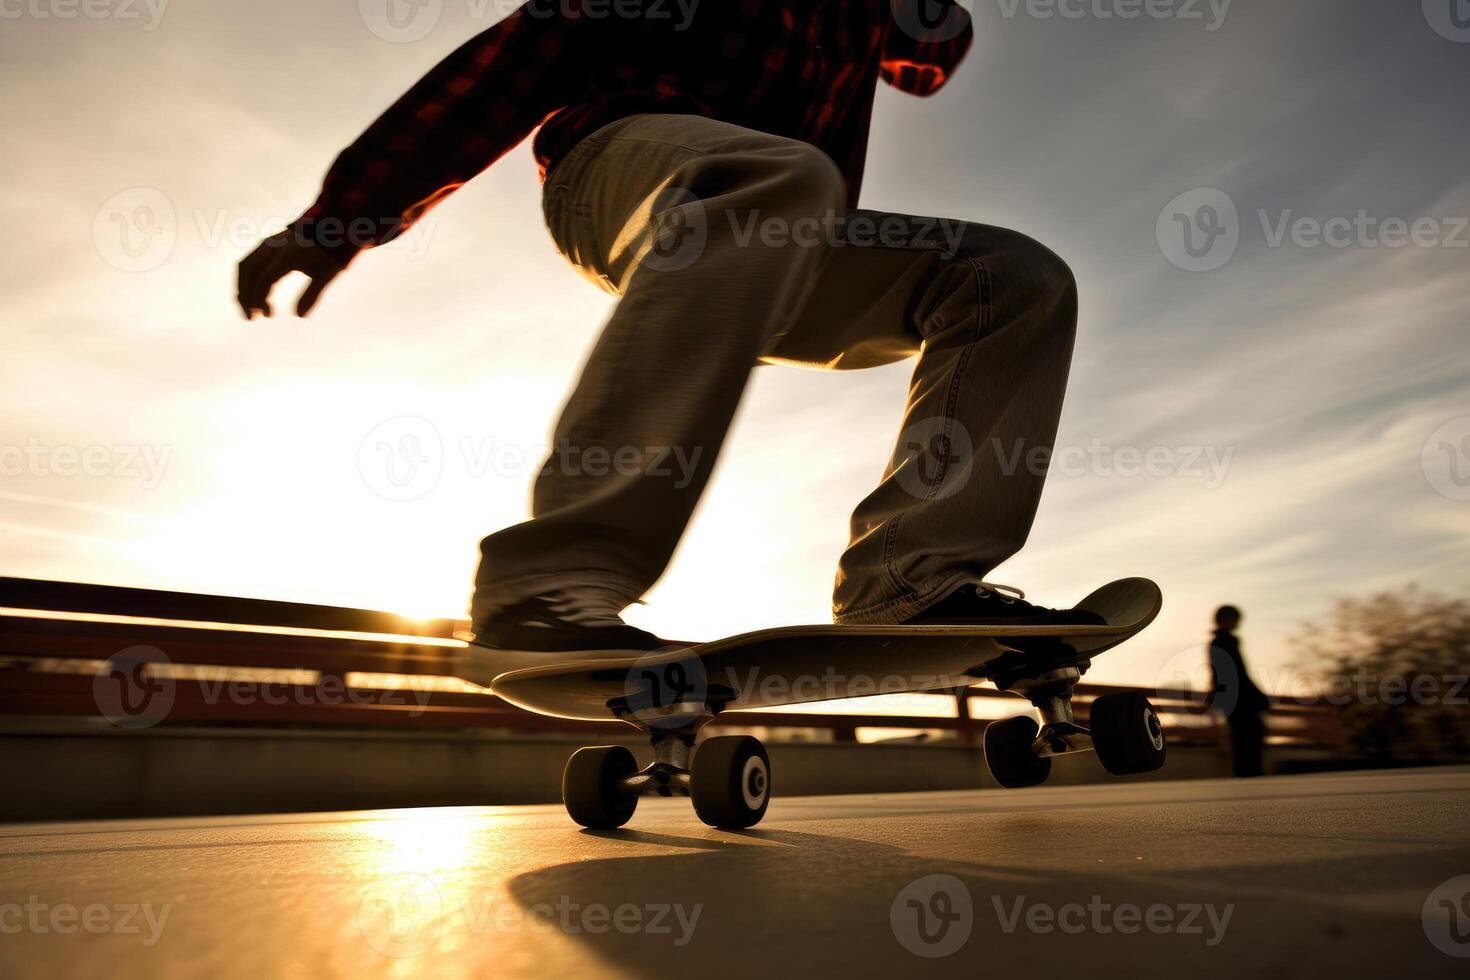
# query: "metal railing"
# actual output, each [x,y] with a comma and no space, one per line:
[225,660]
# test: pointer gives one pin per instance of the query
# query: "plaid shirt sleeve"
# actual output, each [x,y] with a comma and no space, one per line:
[928,41]
[465,114]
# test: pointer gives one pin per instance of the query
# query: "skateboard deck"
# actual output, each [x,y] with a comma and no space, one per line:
[804,664]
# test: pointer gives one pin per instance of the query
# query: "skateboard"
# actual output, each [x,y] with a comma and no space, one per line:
[671,693]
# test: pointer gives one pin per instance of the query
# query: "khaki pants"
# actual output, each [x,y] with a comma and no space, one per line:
[730,247]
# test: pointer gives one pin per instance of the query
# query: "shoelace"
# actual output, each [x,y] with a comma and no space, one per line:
[1005,593]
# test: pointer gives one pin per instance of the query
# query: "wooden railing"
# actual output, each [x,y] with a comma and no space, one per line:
[222,660]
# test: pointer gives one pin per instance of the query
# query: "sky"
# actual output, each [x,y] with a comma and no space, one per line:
[1299,384]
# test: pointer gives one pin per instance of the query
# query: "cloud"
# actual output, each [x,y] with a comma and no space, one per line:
[1322,371]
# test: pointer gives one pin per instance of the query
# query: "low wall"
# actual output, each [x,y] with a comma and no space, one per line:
[60,772]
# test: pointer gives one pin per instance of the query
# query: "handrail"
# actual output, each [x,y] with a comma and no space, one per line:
[114,600]
[212,631]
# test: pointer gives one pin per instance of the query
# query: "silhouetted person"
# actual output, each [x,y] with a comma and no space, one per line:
[707,173]
[1237,695]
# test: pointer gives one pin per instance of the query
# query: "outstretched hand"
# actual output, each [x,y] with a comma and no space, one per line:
[274,259]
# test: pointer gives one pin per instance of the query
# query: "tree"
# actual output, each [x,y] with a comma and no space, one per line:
[1397,665]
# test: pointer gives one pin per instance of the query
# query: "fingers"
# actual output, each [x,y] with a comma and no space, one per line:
[245,284]
[313,291]
[259,271]
[273,260]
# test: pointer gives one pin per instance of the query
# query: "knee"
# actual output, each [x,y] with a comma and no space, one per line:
[1020,262]
[1052,276]
[1024,275]
[818,176]
[802,177]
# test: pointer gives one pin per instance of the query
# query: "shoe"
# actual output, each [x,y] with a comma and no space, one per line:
[560,627]
[998,605]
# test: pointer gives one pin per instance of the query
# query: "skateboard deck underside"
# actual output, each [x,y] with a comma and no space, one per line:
[804,664]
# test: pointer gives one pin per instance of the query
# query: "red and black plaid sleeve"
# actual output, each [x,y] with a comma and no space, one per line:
[465,114]
[929,40]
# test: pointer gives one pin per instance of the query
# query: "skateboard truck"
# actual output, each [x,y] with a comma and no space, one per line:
[1051,694]
[1123,730]
[671,730]
[668,774]
[729,781]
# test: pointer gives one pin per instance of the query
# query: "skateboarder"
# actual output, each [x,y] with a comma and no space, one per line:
[706,169]
[1237,694]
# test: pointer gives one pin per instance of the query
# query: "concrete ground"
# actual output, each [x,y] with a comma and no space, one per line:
[1328,875]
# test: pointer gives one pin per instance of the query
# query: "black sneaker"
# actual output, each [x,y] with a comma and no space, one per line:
[559,627]
[991,605]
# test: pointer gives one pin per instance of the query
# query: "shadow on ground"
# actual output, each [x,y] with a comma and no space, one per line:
[784,903]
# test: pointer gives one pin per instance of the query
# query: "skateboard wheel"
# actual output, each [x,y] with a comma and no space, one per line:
[730,784]
[1009,756]
[590,790]
[1126,734]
